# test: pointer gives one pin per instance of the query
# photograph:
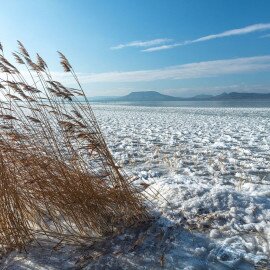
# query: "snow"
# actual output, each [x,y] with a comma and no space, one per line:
[206,172]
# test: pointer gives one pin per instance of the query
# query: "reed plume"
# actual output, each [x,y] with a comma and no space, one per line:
[57,175]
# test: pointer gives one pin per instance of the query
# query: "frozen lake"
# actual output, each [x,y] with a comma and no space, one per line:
[210,167]
[209,143]
[205,170]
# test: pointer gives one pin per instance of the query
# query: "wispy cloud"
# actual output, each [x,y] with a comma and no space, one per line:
[147,43]
[165,47]
[180,72]
[233,32]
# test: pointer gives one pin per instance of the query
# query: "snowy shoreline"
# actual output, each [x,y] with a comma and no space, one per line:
[208,169]
[212,166]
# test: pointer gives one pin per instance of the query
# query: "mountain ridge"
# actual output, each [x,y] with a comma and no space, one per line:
[156,96]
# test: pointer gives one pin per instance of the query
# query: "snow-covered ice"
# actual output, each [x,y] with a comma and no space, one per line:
[206,171]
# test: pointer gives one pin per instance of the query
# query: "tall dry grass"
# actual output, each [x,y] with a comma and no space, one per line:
[57,176]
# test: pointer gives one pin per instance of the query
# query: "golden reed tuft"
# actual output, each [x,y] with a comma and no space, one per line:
[57,176]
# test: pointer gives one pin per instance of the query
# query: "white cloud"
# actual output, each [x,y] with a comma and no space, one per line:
[233,32]
[180,72]
[195,70]
[163,47]
[147,43]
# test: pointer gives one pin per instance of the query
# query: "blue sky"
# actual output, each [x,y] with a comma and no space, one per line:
[181,47]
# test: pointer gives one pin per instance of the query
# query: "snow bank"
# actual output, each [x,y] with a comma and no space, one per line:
[206,171]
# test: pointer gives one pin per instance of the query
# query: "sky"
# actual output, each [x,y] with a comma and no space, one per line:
[176,47]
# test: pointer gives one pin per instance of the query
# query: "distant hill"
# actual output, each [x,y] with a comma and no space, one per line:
[236,95]
[148,96]
[156,96]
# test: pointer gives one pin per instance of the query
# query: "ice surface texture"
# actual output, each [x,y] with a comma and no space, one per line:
[208,170]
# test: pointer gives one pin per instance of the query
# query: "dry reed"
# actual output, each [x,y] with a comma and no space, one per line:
[57,176]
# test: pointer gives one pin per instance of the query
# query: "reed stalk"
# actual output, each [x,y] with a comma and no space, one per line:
[57,175]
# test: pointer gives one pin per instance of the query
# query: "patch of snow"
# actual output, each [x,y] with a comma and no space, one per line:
[207,172]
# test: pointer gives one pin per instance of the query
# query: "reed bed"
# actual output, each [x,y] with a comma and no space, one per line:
[57,175]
